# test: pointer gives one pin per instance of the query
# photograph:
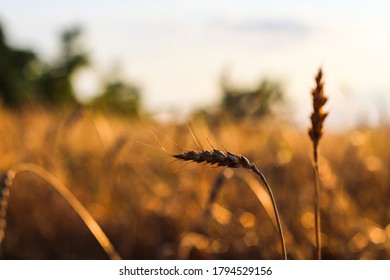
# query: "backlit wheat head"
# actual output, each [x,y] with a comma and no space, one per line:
[318,116]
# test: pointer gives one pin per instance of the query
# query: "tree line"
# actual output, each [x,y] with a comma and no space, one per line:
[26,79]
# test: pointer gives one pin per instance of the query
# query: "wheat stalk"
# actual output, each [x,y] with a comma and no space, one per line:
[5,184]
[232,160]
[77,206]
[315,132]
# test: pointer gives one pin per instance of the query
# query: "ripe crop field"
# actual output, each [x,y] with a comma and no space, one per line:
[151,205]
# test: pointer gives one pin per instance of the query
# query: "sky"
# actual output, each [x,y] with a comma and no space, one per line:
[176,51]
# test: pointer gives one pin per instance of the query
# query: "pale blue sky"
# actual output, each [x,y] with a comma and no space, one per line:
[176,50]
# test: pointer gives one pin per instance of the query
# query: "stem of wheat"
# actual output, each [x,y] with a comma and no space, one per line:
[315,132]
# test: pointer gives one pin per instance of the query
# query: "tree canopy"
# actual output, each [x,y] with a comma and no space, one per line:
[25,79]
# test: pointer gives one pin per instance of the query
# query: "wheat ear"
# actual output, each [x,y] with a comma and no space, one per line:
[235,161]
[315,132]
[77,206]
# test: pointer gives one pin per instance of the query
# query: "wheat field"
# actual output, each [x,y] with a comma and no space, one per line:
[151,206]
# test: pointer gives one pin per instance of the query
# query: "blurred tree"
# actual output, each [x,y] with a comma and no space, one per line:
[120,98]
[55,84]
[16,68]
[24,78]
[240,103]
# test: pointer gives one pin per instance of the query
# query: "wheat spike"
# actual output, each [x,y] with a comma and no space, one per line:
[217,157]
[318,116]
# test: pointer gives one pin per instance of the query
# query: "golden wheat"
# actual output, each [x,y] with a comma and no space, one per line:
[77,206]
[318,116]
[315,132]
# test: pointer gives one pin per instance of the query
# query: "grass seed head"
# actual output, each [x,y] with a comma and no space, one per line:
[318,116]
[217,157]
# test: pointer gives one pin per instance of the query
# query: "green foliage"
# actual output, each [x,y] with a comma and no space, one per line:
[253,103]
[240,103]
[15,71]
[120,98]
[54,85]
[25,79]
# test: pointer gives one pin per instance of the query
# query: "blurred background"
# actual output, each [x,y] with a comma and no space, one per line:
[87,87]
